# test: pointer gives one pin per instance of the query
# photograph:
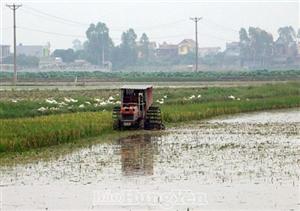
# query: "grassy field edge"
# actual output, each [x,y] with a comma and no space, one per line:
[22,134]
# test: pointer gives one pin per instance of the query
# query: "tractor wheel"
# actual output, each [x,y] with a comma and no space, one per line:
[153,119]
[116,125]
[116,116]
[141,124]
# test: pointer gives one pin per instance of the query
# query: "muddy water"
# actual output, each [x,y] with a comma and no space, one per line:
[247,161]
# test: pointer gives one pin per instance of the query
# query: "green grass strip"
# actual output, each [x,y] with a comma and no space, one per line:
[21,134]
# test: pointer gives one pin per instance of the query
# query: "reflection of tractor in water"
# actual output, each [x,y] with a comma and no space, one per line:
[136,110]
[137,153]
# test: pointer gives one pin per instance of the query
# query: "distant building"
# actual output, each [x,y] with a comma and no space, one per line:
[186,46]
[152,45]
[50,62]
[4,51]
[151,49]
[80,62]
[4,67]
[167,50]
[33,50]
[232,49]
[208,51]
[232,55]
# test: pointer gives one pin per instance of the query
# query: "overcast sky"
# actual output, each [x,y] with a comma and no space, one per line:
[60,22]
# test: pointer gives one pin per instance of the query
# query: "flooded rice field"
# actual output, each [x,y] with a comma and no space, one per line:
[246,161]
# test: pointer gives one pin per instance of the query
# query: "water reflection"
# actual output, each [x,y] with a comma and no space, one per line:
[137,155]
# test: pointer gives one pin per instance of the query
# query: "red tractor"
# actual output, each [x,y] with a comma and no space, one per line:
[137,110]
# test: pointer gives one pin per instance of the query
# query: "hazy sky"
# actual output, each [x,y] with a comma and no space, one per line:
[60,22]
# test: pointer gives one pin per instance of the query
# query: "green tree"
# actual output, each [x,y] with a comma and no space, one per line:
[144,47]
[99,45]
[80,54]
[286,44]
[77,45]
[244,46]
[23,61]
[261,45]
[126,53]
[287,34]
[187,59]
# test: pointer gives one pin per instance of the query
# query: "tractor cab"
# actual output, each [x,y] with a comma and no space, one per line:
[133,102]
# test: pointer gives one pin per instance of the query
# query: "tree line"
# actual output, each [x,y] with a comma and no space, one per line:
[258,47]
[132,51]
[99,48]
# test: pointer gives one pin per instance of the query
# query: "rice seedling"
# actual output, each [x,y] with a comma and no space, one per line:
[27,103]
[199,111]
[37,128]
[25,133]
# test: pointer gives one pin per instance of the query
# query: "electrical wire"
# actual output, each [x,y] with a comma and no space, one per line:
[69,22]
[47,18]
[58,19]
[47,32]
[5,28]
[80,36]
[63,22]
[216,37]
[172,36]
[115,39]
[219,25]
[55,33]
[160,25]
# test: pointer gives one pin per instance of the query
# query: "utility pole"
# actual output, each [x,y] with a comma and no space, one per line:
[196,20]
[14,7]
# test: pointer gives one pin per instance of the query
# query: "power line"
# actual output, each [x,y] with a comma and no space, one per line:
[55,33]
[56,17]
[5,28]
[171,36]
[47,32]
[114,38]
[50,19]
[216,37]
[139,29]
[80,36]
[160,25]
[221,26]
